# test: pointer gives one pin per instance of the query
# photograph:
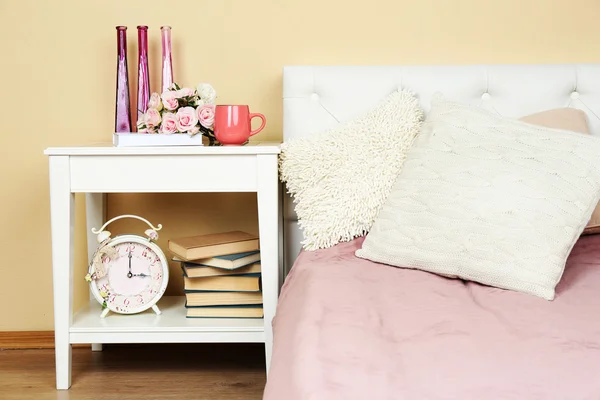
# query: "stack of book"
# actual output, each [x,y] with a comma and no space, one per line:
[221,274]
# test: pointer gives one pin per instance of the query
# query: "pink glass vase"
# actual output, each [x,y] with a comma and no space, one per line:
[143,94]
[122,110]
[167,67]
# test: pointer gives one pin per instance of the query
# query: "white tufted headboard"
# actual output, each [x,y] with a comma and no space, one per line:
[316,98]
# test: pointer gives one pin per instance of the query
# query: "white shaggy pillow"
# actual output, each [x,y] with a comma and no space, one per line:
[488,199]
[340,178]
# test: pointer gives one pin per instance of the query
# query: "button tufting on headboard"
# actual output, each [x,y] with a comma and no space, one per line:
[345,92]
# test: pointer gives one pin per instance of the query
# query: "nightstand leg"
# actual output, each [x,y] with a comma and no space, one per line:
[62,213]
[268,209]
[95,214]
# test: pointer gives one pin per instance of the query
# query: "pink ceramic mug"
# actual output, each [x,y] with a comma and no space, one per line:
[233,124]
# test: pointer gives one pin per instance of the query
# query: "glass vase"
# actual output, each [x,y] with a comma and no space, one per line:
[143,94]
[167,67]
[122,110]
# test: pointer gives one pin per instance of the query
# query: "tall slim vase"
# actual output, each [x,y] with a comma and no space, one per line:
[122,110]
[143,94]
[167,67]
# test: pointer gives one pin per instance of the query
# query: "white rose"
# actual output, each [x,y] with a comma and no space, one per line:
[155,102]
[207,93]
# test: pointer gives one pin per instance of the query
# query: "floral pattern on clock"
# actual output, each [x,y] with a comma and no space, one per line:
[133,277]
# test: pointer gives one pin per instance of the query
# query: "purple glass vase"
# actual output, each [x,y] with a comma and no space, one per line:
[122,110]
[167,67]
[143,94]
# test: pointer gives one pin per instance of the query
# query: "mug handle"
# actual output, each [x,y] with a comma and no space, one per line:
[264,122]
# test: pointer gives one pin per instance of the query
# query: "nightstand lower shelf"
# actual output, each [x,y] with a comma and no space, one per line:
[171,326]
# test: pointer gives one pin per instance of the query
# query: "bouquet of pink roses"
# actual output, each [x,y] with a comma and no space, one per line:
[181,110]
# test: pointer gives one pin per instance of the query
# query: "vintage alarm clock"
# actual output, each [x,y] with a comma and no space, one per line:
[129,273]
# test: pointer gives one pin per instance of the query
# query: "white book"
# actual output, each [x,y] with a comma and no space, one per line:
[122,139]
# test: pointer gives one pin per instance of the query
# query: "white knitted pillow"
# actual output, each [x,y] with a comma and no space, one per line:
[340,178]
[488,199]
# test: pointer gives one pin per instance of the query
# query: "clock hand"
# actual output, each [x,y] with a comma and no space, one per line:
[142,275]
[129,275]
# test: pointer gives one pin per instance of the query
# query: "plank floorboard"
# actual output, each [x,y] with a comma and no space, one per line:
[125,372]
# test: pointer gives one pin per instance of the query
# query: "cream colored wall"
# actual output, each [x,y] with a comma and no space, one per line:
[58,78]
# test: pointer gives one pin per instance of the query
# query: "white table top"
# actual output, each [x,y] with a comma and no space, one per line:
[108,149]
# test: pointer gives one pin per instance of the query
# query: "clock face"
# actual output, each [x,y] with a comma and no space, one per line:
[133,278]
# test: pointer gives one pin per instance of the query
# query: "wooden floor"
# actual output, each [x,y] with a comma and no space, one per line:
[148,372]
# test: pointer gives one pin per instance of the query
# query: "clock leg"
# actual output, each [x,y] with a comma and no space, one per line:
[62,219]
[104,313]
[156,309]
[95,213]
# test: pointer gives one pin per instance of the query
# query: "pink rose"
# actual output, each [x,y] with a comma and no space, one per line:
[186,118]
[169,99]
[206,115]
[195,129]
[185,92]
[151,129]
[155,102]
[152,117]
[169,123]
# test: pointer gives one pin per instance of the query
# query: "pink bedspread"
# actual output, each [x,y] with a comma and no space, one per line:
[347,328]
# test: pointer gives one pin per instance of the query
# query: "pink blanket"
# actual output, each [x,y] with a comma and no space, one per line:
[349,329]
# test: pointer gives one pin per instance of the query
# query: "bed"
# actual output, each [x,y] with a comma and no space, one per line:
[350,328]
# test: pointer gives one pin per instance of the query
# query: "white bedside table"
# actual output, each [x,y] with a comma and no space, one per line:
[96,170]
